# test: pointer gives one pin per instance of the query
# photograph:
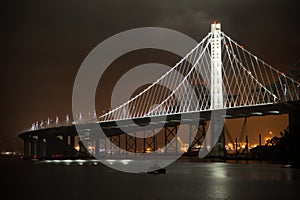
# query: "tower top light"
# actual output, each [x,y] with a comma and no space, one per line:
[215,26]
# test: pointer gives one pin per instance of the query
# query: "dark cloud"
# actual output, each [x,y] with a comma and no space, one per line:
[44,42]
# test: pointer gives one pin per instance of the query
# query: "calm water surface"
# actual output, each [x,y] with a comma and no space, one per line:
[183,180]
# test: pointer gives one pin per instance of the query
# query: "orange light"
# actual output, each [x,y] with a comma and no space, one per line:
[148,150]
[270,132]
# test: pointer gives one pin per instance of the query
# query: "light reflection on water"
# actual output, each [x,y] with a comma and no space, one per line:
[79,179]
[211,169]
[240,171]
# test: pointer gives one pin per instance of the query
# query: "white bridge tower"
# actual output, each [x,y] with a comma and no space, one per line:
[216,92]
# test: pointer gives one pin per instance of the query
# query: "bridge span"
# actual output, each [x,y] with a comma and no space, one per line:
[217,76]
[61,141]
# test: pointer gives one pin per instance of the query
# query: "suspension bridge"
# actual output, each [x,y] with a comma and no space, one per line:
[217,75]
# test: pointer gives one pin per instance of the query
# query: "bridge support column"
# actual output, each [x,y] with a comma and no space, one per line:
[197,135]
[218,150]
[96,142]
[216,91]
[171,140]
[72,144]
[32,148]
[131,143]
[102,146]
[65,139]
[40,147]
[26,147]
[149,140]
[82,149]
[72,141]
[116,140]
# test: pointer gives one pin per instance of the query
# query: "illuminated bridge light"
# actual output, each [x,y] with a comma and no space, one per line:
[274,112]
[256,113]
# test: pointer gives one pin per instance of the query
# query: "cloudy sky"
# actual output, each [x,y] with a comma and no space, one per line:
[43,43]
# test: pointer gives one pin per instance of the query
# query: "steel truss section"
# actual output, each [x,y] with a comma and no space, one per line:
[197,135]
[171,140]
[149,140]
[101,146]
[116,140]
[131,143]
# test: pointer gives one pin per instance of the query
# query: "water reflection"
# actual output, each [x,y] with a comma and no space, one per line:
[183,180]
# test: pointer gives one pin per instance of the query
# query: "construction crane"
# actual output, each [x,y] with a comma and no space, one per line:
[241,138]
[228,134]
[243,131]
[184,147]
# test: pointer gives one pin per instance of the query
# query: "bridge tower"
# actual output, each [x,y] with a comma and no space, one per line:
[216,89]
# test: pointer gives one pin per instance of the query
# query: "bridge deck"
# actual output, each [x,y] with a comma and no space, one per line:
[112,128]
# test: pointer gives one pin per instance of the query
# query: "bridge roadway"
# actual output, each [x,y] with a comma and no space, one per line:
[175,119]
[36,138]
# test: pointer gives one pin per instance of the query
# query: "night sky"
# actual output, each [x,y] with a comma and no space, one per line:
[43,44]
